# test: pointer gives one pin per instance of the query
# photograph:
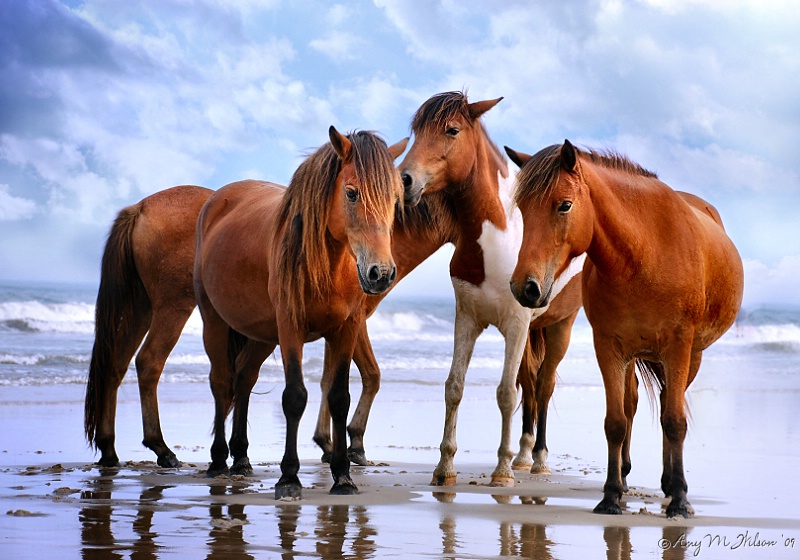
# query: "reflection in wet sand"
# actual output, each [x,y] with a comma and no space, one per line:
[226,537]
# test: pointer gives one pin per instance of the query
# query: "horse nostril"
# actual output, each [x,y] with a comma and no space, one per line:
[531,290]
[393,275]
[407,180]
[374,273]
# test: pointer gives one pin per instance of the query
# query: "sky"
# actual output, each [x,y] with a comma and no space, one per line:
[103,102]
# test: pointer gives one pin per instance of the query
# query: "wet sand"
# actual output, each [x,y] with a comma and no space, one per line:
[742,459]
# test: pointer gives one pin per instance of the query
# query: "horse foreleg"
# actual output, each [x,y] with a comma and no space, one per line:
[248,364]
[613,369]
[342,343]
[370,372]
[165,330]
[294,399]
[322,433]
[516,335]
[466,333]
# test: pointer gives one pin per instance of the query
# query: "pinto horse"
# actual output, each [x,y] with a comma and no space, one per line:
[453,156]
[285,266]
[661,282]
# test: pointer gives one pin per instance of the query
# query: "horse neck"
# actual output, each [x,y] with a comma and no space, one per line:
[623,212]
[480,198]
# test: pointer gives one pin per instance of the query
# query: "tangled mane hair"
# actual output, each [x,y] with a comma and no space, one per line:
[304,259]
[539,176]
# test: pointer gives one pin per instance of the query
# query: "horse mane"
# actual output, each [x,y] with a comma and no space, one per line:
[304,258]
[434,216]
[539,176]
[442,107]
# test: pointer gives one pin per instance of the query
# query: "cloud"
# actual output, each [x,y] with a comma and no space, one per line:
[14,207]
[766,285]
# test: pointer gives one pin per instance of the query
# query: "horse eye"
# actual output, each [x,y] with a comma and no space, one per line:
[565,206]
[351,194]
[452,131]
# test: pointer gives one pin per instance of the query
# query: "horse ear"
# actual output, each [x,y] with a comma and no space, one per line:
[480,107]
[341,144]
[569,156]
[517,157]
[396,149]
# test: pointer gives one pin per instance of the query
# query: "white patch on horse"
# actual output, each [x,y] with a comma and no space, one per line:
[575,267]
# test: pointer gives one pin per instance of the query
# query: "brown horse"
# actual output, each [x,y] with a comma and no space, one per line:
[145,289]
[287,266]
[661,282]
[453,156]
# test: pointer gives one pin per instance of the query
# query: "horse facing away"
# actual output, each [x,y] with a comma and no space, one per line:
[453,156]
[661,282]
[145,289]
[287,266]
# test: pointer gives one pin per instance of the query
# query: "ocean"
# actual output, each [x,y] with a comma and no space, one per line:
[46,337]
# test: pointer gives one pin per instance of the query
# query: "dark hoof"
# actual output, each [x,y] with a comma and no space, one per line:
[680,508]
[217,470]
[169,461]
[326,457]
[358,457]
[288,491]
[344,487]
[608,507]
[110,461]
[242,467]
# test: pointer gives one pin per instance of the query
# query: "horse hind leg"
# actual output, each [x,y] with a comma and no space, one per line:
[322,433]
[526,381]
[114,372]
[247,366]
[556,337]
[165,331]
[370,372]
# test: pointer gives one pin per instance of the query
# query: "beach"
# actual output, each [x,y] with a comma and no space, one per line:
[742,456]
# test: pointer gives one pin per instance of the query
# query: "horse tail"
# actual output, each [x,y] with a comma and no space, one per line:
[120,294]
[236,343]
[654,379]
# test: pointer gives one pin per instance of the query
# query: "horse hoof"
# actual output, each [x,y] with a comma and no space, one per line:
[443,480]
[521,465]
[217,470]
[288,491]
[344,487]
[680,509]
[358,457]
[242,467]
[540,469]
[169,461]
[502,482]
[110,461]
[326,457]
[608,507]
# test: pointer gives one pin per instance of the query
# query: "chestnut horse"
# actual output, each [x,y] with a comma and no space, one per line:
[285,266]
[661,282]
[145,289]
[453,154]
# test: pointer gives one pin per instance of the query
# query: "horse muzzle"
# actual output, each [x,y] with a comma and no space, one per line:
[531,294]
[412,189]
[376,278]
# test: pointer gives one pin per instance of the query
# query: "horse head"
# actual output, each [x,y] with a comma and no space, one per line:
[368,189]
[447,134]
[557,219]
